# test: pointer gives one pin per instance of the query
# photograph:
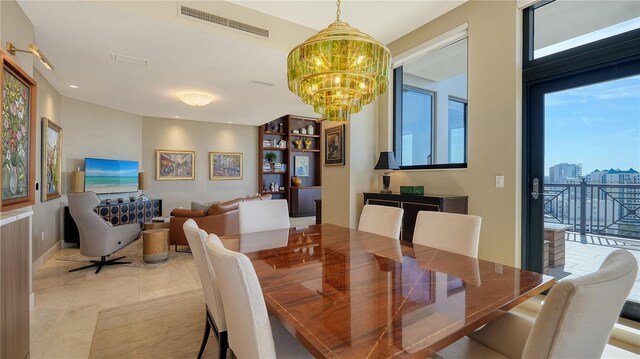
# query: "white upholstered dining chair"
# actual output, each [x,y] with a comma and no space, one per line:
[258,216]
[214,311]
[251,333]
[458,233]
[575,320]
[381,220]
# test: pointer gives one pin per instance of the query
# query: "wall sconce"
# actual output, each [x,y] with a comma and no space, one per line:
[33,49]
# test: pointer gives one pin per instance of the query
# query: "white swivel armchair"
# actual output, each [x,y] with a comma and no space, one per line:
[97,237]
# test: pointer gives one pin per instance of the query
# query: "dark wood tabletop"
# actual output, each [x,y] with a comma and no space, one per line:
[352,294]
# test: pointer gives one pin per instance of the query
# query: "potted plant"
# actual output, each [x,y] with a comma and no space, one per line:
[270,157]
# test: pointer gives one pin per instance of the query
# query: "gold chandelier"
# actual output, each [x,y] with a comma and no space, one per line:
[338,70]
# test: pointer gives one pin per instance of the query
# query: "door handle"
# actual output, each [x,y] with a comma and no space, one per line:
[535,187]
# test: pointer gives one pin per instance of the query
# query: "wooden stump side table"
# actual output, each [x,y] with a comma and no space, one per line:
[155,245]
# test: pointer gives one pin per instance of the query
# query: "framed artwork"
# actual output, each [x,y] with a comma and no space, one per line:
[175,165]
[225,165]
[18,136]
[334,146]
[51,159]
[301,168]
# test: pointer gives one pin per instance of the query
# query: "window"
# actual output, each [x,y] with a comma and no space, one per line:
[430,108]
[562,25]
[457,130]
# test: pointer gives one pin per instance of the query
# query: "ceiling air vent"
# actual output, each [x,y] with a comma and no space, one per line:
[205,16]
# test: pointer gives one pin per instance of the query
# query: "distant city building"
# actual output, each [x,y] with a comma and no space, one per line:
[565,173]
[612,176]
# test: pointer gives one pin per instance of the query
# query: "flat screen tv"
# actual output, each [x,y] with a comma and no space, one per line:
[110,176]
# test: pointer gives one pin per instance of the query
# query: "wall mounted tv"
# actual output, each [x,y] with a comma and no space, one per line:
[110,176]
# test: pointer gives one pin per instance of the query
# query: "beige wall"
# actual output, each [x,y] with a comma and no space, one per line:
[343,186]
[201,137]
[97,131]
[46,215]
[16,27]
[494,140]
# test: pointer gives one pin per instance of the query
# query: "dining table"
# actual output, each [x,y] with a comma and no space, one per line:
[345,293]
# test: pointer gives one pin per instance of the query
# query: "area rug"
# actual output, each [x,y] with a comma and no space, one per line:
[166,327]
[133,252]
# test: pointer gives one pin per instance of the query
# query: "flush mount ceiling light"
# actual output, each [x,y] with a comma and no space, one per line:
[338,70]
[33,49]
[195,99]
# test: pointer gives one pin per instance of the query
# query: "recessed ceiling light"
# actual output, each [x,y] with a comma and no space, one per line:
[228,121]
[73,86]
[177,116]
[195,99]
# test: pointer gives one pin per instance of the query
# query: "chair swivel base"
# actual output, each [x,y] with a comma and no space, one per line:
[101,263]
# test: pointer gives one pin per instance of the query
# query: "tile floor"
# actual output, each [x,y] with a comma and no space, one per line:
[67,304]
[585,254]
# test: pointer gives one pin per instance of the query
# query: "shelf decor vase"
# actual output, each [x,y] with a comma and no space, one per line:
[296,181]
[307,144]
[298,143]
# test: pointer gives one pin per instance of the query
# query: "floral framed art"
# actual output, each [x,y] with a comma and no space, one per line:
[225,165]
[175,165]
[51,159]
[334,146]
[18,136]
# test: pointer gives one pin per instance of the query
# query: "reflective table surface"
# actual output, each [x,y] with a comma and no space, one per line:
[352,294]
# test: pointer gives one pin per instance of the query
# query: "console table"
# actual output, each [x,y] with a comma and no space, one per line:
[413,204]
[116,214]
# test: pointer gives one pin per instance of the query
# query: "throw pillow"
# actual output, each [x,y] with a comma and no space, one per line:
[197,206]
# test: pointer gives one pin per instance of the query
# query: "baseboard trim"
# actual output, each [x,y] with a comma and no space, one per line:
[45,257]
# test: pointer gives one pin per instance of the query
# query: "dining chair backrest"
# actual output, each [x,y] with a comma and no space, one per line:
[208,278]
[381,220]
[265,215]
[248,323]
[578,314]
[458,233]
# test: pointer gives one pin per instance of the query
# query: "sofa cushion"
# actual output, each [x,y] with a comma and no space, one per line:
[223,207]
[198,206]
[181,212]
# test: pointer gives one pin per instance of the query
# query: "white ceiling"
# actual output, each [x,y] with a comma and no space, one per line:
[79,38]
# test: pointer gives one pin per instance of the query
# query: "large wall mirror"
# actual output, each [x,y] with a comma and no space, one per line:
[430,109]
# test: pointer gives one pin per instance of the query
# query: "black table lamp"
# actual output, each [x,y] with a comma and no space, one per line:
[387,162]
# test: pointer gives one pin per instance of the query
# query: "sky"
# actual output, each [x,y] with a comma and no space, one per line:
[596,125]
[102,167]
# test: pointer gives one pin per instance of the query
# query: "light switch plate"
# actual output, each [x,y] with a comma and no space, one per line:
[499,181]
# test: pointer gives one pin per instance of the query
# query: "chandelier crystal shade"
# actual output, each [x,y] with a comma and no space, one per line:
[338,70]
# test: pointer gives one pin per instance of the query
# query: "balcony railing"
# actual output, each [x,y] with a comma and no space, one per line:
[605,209]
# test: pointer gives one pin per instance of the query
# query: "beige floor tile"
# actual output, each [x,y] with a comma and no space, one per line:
[49,278]
[78,319]
[55,298]
[45,322]
[38,348]
[70,346]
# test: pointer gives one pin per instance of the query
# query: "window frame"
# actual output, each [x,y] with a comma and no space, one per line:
[465,104]
[398,90]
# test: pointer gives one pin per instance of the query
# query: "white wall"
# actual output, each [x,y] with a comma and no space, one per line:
[494,123]
[46,215]
[201,137]
[16,27]
[96,131]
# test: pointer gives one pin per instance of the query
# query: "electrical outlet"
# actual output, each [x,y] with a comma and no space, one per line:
[499,181]
[42,236]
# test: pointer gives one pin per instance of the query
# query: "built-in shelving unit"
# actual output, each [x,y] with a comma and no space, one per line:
[278,137]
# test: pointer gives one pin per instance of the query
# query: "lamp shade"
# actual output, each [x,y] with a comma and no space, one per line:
[77,181]
[142,180]
[387,161]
